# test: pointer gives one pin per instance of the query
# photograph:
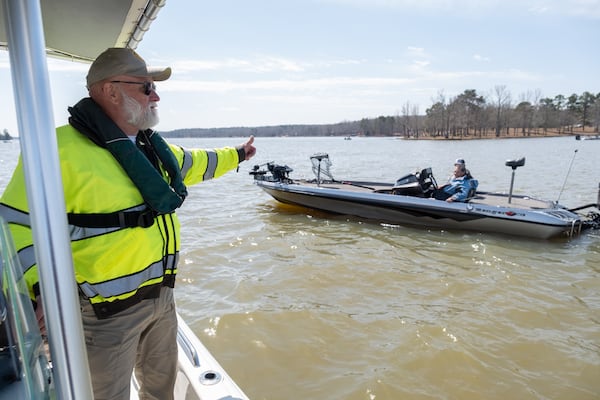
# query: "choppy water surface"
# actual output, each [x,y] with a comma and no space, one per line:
[298,304]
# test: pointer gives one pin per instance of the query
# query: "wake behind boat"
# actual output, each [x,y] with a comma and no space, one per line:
[410,201]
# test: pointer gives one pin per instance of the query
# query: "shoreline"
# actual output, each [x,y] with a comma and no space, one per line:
[576,133]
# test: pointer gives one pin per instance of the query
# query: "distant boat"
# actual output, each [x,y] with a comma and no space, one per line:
[586,137]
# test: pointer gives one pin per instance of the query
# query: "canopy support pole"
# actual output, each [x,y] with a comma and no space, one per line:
[26,45]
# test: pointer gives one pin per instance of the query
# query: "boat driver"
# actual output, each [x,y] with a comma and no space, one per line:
[460,186]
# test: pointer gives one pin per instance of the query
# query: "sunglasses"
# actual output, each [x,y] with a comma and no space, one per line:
[149,87]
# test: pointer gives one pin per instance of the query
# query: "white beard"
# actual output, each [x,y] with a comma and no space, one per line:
[142,119]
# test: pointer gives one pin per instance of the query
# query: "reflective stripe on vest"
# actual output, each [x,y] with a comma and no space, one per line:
[79,233]
[187,162]
[14,216]
[26,255]
[27,258]
[211,165]
[128,283]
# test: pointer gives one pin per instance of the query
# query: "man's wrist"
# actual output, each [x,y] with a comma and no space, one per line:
[241,154]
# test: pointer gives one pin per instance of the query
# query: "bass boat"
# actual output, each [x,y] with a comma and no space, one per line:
[410,201]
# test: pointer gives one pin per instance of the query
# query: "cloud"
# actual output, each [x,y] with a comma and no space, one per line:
[584,8]
[279,84]
[481,58]
[54,64]
[259,64]
[416,51]
[577,8]
[57,65]
[419,65]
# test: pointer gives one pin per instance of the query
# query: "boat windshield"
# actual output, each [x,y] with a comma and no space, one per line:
[24,368]
[321,166]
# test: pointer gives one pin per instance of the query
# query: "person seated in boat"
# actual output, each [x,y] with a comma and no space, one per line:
[460,186]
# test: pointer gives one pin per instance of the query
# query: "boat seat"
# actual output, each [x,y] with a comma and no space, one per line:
[473,196]
[514,164]
[473,190]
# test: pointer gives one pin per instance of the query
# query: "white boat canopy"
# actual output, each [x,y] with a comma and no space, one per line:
[80,30]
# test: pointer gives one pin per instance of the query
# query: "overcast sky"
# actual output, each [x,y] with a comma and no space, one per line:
[254,63]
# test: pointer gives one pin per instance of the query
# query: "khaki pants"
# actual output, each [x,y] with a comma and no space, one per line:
[143,336]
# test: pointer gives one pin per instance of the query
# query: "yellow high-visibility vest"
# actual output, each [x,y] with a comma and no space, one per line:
[115,267]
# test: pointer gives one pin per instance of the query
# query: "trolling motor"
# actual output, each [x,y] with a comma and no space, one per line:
[279,173]
[256,171]
[514,164]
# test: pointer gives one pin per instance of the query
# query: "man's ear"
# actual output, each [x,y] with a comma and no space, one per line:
[111,92]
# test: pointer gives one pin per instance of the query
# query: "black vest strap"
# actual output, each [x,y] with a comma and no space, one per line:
[121,219]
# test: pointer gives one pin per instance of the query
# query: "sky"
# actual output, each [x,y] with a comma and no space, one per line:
[244,63]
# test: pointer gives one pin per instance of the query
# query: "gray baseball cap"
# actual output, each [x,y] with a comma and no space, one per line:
[123,61]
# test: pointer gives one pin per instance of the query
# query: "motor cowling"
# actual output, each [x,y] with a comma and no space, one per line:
[280,172]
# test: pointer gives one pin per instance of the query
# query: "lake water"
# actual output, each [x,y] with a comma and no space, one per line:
[298,304]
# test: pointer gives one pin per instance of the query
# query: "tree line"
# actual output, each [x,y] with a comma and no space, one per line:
[470,114]
[467,115]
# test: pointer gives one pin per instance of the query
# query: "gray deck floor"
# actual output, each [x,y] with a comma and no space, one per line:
[493,199]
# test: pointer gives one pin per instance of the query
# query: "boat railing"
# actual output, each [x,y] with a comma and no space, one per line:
[188,348]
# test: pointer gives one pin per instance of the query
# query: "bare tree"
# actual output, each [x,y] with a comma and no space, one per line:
[502,104]
[595,112]
[415,120]
[406,119]
[524,115]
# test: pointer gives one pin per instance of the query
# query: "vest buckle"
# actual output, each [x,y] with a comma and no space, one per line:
[146,219]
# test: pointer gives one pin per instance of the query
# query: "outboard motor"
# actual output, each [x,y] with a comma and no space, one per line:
[514,164]
[280,172]
[257,172]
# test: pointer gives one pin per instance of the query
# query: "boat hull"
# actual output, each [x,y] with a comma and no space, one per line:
[543,222]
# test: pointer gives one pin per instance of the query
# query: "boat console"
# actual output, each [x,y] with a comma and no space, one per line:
[419,184]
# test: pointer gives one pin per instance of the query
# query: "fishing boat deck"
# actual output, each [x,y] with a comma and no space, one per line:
[486,198]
